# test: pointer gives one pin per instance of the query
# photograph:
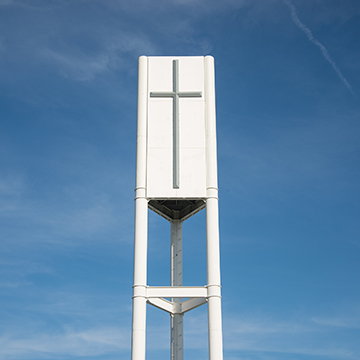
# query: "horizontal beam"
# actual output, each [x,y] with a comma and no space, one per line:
[176,292]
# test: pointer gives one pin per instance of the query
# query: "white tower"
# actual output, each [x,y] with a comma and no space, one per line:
[176,176]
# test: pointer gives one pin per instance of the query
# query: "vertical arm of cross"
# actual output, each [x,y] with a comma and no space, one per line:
[176,175]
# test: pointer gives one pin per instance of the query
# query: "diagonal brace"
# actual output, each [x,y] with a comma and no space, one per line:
[192,304]
[175,308]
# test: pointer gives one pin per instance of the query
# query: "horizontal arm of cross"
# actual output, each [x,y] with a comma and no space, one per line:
[162,94]
[180,94]
[190,94]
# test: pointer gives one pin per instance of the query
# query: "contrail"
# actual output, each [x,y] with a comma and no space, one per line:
[310,37]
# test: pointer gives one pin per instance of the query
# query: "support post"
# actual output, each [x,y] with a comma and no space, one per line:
[138,338]
[213,273]
[177,341]
[212,218]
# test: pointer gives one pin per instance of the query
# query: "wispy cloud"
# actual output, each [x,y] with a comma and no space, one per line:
[79,69]
[91,342]
[11,188]
[311,38]
[306,154]
[13,273]
[276,336]
[85,67]
[83,203]
[339,322]
[243,335]
[83,324]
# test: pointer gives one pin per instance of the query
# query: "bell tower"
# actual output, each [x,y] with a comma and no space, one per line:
[176,176]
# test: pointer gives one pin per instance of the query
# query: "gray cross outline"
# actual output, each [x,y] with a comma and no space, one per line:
[175,95]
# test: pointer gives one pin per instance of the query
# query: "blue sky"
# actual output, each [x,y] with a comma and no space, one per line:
[288,111]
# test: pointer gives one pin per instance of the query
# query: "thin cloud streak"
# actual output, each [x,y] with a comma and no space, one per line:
[274,336]
[98,341]
[339,322]
[311,38]
[82,70]
[87,67]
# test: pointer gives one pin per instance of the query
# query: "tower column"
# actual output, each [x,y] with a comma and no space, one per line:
[212,218]
[177,341]
[213,275]
[138,337]
[140,275]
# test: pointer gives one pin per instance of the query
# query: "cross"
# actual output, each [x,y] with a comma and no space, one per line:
[175,95]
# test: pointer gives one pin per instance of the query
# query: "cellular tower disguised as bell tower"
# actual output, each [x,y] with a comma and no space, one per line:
[176,176]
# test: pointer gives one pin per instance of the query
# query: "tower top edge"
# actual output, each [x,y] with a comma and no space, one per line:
[175,56]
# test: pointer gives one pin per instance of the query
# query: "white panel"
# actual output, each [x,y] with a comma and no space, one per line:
[160,73]
[159,172]
[192,123]
[193,174]
[160,126]
[192,162]
[191,73]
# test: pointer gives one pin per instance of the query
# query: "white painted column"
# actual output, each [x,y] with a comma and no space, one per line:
[140,274]
[212,219]
[138,339]
[213,272]
[177,341]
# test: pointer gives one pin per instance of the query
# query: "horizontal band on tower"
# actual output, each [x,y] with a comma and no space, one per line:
[176,291]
